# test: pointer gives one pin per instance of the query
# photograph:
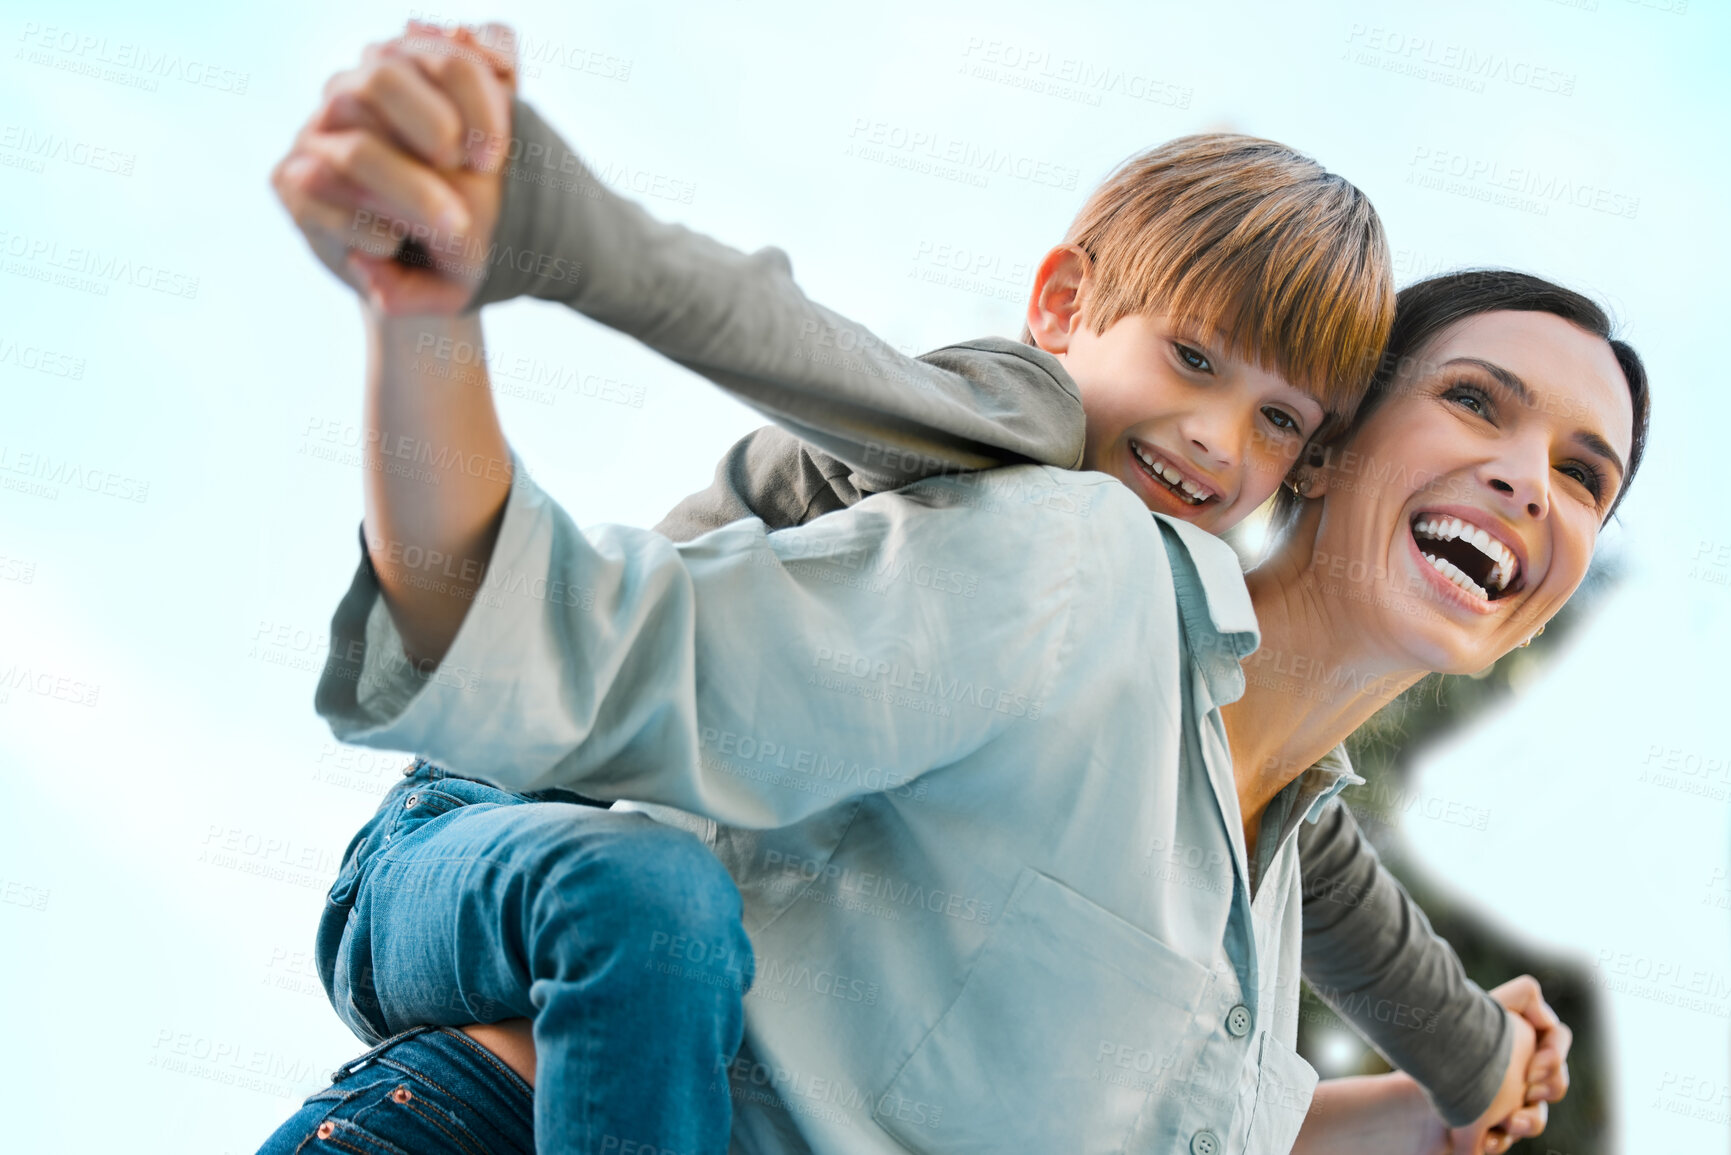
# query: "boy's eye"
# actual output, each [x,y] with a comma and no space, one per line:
[1281,419]
[1192,357]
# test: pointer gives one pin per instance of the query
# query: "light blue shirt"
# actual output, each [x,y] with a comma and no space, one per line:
[960,746]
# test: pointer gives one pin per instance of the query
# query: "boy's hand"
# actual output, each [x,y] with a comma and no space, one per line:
[410,145]
[1537,1073]
[1548,1073]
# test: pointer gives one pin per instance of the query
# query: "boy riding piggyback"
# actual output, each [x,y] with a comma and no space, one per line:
[1219,302]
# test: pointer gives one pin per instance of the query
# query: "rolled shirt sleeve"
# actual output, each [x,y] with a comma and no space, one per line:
[712,676]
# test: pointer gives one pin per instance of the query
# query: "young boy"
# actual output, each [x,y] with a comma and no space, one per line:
[1187,416]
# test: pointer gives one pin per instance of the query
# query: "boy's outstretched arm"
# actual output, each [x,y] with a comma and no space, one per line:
[532,219]
[742,321]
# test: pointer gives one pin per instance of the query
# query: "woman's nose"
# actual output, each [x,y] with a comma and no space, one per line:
[1533,492]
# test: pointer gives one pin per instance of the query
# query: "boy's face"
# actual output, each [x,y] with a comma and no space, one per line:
[1195,431]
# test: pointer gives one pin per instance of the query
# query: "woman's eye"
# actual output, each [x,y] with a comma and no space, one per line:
[1193,358]
[1281,419]
[1471,399]
[1588,477]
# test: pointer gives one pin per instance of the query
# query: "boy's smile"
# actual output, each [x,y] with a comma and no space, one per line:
[1196,431]
[1194,427]
[1170,480]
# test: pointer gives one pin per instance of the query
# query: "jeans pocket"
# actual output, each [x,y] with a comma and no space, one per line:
[408,1115]
[1019,1060]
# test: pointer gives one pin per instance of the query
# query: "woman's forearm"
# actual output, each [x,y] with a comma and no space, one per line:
[1372,1114]
[437,473]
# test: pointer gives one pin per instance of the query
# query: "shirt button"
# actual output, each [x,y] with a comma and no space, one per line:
[1205,1143]
[1238,1021]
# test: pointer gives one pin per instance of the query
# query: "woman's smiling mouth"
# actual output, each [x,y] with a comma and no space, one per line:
[1180,484]
[1475,560]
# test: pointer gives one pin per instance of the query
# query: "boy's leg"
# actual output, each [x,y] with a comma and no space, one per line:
[618,936]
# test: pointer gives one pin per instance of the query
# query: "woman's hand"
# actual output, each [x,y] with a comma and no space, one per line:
[410,145]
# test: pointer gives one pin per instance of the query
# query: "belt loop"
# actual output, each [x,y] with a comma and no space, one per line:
[421,768]
[362,1060]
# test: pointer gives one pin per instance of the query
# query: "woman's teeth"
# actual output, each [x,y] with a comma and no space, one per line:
[1450,571]
[1502,559]
[1162,469]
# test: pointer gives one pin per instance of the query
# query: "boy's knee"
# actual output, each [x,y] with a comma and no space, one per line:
[651,886]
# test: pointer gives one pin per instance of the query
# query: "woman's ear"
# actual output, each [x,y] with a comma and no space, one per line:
[1055,306]
[1309,477]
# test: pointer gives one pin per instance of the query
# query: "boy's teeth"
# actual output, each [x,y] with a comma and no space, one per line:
[1192,492]
[1449,570]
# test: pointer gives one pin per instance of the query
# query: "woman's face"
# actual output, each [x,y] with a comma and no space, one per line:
[1470,499]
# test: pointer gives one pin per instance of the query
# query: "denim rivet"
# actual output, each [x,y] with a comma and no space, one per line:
[413,800]
[401,1095]
[325,1129]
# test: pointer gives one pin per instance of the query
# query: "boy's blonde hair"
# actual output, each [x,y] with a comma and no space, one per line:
[1257,243]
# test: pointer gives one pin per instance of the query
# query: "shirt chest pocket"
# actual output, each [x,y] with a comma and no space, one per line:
[1064,1026]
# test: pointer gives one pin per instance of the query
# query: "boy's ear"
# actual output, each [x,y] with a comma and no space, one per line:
[1055,307]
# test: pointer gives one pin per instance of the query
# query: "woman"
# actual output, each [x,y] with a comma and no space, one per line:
[1440,531]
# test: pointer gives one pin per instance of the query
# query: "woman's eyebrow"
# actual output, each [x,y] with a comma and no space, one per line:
[1595,444]
[1503,377]
[1586,438]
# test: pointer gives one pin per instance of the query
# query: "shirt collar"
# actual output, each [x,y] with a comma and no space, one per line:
[1214,604]
[1319,785]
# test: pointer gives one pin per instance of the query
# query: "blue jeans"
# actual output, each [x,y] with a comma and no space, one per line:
[620,937]
[427,1089]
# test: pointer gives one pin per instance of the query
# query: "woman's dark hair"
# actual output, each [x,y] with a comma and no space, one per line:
[1425,308]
